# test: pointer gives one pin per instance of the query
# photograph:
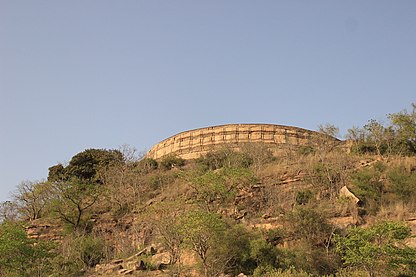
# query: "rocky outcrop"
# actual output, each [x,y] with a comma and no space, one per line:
[42,230]
[147,262]
[194,143]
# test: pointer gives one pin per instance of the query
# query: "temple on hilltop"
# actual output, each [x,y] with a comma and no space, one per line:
[194,143]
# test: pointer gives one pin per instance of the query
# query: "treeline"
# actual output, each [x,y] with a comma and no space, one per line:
[398,137]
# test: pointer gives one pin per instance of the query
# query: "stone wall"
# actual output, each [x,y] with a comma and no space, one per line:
[194,143]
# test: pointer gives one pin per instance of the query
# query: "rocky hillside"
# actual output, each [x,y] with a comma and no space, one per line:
[309,211]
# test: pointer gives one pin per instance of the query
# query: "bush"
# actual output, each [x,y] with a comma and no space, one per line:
[369,186]
[310,225]
[264,254]
[378,249]
[215,188]
[147,165]
[224,158]
[269,271]
[92,250]
[78,254]
[303,197]
[170,161]
[20,255]
[403,184]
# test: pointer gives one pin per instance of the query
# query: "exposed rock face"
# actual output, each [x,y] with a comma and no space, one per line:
[194,143]
[39,229]
[345,192]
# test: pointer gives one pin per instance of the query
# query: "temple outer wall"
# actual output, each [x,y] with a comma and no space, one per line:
[194,143]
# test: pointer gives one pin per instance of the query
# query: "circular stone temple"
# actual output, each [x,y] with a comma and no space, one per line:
[194,143]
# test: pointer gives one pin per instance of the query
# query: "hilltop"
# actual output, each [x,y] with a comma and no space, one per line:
[313,209]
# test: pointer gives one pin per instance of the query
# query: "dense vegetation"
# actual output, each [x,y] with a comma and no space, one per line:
[234,212]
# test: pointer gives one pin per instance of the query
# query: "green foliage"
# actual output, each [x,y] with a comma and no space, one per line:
[204,233]
[20,255]
[403,184]
[303,197]
[379,248]
[170,161]
[399,137]
[264,254]
[305,150]
[214,188]
[79,253]
[310,225]
[147,165]
[376,135]
[328,177]
[224,158]
[369,187]
[404,126]
[86,165]
[220,246]
[269,271]
[326,174]
[92,250]
[275,236]
[56,173]
[72,202]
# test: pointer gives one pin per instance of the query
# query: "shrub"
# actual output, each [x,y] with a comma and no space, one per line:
[403,184]
[303,197]
[224,158]
[369,186]
[20,255]
[378,249]
[78,254]
[310,225]
[170,161]
[147,165]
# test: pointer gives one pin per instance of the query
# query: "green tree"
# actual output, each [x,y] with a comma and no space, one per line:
[220,246]
[376,135]
[170,161]
[404,126]
[310,225]
[214,188]
[203,232]
[164,218]
[72,200]
[378,249]
[86,165]
[20,255]
[264,254]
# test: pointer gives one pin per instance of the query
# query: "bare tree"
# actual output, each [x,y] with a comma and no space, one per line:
[8,211]
[31,198]
[376,134]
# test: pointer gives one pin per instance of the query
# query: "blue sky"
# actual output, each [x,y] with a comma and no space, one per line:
[99,74]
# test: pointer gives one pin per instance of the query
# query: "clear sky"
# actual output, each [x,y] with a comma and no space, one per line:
[79,74]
